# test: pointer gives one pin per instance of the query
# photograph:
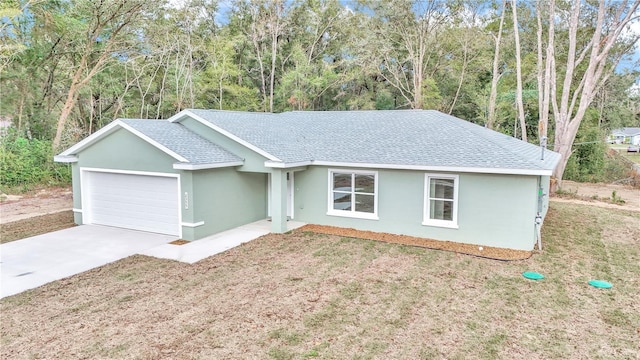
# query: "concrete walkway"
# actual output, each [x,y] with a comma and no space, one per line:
[28,263]
[215,244]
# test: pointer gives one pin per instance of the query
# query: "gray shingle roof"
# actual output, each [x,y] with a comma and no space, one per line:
[628,131]
[397,137]
[177,138]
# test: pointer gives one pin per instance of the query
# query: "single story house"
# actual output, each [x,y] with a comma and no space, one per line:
[420,173]
[627,135]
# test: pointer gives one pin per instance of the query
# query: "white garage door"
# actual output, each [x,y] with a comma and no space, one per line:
[139,202]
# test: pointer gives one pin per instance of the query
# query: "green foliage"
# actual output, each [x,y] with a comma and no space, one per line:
[587,160]
[590,160]
[24,163]
[317,55]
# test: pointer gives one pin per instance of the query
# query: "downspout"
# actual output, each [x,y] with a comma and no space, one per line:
[538,219]
[539,231]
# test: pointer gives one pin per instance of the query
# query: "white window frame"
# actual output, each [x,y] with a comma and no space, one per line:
[426,220]
[352,213]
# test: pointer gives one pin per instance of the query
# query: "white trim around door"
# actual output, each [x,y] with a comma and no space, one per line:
[138,200]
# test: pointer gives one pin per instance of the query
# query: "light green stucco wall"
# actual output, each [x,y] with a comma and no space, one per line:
[494,210]
[546,183]
[120,150]
[125,151]
[225,198]
[77,197]
[252,160]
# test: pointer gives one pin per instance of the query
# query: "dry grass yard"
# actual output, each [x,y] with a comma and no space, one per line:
[307,296]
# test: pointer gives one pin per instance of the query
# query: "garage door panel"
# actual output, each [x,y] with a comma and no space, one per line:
[140,202]
[137,212]
[136,203]
[141,224]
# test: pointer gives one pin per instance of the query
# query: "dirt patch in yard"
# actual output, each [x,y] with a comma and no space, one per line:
[468,249]
[601,195]
[34,213]
[36,203]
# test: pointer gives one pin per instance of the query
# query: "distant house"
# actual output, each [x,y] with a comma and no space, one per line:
[628,135]
[412,172]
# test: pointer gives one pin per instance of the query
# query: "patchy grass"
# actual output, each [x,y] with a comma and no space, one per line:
[309,296]
[622,150]
[35,226]
[635,157]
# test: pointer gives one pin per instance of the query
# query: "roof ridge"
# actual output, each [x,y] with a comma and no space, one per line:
[256,113]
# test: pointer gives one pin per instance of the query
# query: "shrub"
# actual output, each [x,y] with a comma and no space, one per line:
[25,163]
[591,161]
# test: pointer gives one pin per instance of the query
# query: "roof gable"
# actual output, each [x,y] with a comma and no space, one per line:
[206,117]
[189,149]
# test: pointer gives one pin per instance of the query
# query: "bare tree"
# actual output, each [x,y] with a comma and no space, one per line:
[105,36]
[519,102]
[491,117]
[265,30]
[407,50]
[544,74]
[580,83]
[467,36]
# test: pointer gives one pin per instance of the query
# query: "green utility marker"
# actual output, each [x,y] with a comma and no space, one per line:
[532,275]
[600,284]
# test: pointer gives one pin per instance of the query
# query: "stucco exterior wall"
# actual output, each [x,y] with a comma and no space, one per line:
[494,210]
[546,183]
[221,198]
[252,160]
[120,150]
[226,198]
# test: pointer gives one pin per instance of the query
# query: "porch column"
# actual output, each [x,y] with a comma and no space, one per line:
[278,201]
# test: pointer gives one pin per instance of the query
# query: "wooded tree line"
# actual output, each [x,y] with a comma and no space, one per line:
[525,68]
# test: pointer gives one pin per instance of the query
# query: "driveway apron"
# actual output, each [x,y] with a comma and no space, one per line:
[32,262]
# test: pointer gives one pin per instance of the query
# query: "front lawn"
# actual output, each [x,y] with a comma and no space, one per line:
[305,296]
[622,150]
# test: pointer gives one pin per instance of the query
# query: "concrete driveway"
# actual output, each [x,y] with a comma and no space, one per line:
[28,263]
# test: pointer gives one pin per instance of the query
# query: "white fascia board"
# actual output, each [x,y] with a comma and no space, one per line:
[185,113]
[180,115]
[106,130]
[65,159]
[283,165]
[110,128]
[506,171]
[188,166]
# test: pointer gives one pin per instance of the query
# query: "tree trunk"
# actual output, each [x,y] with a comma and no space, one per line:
[576,98]
[462,74]
[274,54]
[519,103]
[64,115]
[542,129]
[491,116]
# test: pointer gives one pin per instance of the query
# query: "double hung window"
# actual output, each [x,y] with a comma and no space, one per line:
[441,200]
[353,193]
